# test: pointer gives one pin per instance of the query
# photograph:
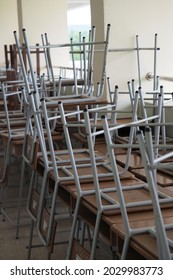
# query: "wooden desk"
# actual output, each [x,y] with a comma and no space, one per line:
[112,227]
[135,160]
[144,244]
[163,179]
[74,100]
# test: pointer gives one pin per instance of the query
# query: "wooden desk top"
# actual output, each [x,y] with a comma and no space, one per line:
[112,225]
[145,243]
[135,160]
[163,179]
[78,100]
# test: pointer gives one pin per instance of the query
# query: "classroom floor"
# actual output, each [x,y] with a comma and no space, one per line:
[16,249]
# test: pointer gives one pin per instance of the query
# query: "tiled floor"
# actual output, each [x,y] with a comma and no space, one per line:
[12,248]
[16,249]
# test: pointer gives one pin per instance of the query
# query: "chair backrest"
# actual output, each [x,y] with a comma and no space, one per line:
[71,166]
[88,53]
[119,189]
[151,164]
[14,119]
[155,49]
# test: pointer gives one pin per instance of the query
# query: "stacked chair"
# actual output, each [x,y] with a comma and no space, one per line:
[73,145]
[162,230]
[119,198]
[43,109]
[12,135]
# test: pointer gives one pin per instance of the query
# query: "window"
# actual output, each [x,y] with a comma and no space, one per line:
[79,18]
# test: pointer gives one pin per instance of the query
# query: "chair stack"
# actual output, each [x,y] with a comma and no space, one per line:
[78,149]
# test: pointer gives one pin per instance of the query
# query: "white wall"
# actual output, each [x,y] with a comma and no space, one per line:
[97,20]
[143,18]
[128,18]
[36,17]
[49,17]
[45,16]
[8,23]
